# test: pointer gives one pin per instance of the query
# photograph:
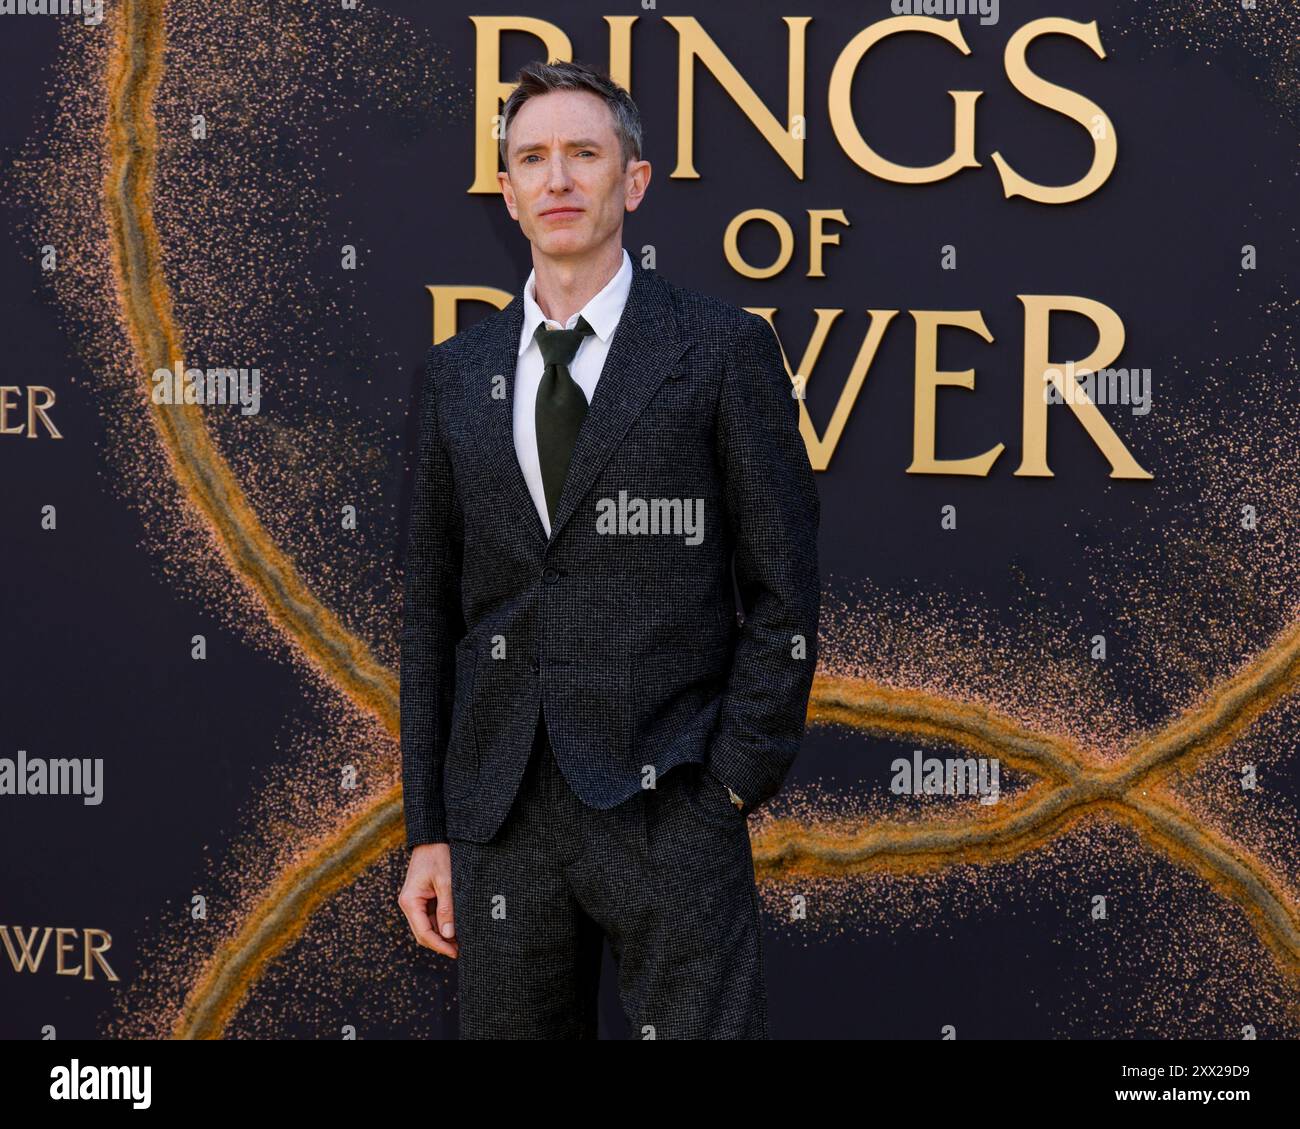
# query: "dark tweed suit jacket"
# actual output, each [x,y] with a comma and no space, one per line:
[629,642]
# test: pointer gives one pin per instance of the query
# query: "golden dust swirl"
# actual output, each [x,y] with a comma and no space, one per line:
[135,70]
[781,848]
[1127,790]
[284,910]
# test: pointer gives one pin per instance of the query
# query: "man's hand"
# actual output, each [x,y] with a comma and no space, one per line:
[428,878]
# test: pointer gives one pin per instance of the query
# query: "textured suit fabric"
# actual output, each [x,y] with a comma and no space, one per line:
[667,876]
[627,645]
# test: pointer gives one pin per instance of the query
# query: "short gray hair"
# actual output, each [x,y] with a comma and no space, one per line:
[536,78]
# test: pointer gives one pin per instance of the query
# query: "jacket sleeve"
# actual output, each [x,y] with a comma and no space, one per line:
[432,624]
[773,512]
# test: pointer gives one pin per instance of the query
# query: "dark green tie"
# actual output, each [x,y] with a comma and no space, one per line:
[561,406]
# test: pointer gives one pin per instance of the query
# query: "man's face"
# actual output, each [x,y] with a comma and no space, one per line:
[566,183]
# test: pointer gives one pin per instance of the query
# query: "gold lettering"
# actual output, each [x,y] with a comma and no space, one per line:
[820,450]
[23,958]
[60,947]
[928,380]
[97,951]
[694,43]
[490,91]
[5,405]
[817,237]
[841,108]
[446,300]
[1039,369]
[1075,106]
[731,237]
[35,409]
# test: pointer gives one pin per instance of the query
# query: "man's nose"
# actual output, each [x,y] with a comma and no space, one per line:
[559,173]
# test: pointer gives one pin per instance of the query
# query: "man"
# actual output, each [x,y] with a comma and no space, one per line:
[585,724]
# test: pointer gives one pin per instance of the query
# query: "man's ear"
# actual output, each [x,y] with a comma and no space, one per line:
[507,193]
[634,197]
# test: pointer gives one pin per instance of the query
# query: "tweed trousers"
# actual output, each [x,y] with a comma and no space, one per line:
[667,876]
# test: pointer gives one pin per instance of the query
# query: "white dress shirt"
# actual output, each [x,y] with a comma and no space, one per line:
[602,314]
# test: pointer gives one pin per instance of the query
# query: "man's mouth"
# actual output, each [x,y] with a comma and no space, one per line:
[562,212]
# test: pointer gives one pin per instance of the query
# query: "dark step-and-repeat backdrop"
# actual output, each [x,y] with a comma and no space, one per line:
[1032,269]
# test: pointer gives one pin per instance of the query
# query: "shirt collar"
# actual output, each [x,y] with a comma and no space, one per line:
[602,311]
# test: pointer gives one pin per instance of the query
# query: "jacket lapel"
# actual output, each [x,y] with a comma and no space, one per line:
[644,351]
[495,423]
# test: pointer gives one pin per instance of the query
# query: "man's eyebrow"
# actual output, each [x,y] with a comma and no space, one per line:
[584,142]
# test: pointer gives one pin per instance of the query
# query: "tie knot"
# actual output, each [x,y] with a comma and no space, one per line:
[558,346]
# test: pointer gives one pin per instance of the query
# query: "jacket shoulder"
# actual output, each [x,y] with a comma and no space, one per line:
[471,340]
[694,306]
[708,316]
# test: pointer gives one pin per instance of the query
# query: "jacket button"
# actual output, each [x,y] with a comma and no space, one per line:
[550,574]
[532,665]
